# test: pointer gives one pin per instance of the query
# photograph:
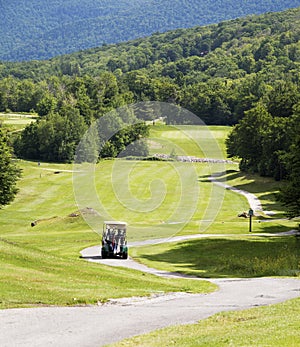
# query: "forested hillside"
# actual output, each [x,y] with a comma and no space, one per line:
[218,72]
[39,29]
[243,72]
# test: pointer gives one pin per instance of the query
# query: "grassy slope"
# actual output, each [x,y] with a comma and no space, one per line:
[31,277]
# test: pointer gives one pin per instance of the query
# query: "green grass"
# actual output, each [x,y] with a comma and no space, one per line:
[199,141]
[276,325]
[225,257]
[167,198]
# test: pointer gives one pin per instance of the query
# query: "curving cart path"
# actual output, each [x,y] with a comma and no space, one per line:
[98,325]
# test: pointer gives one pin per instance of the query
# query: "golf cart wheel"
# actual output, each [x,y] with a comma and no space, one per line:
[103,253]
[125,255]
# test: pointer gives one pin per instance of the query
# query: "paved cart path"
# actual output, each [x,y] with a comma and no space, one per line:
[98,325]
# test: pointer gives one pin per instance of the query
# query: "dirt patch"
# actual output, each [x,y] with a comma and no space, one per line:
[84,211]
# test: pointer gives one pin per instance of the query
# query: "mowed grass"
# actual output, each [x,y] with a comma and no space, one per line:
[32,277]
[276,325]
[199,141]
[160,199]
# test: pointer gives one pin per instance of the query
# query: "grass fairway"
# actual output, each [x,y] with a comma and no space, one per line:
[189,140]
[40,265]
[160,199]
[276,325]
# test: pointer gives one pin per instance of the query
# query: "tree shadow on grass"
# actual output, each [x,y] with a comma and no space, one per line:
[257,185]
[269,226]
[223,257]
[265,188]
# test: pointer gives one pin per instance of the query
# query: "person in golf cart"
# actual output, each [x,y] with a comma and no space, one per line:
[114,240]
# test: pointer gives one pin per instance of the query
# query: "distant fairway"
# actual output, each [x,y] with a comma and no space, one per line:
[144,193]
[154,195]
[200,141]
[16,121]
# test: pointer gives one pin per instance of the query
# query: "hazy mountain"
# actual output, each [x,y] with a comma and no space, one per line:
[38,29]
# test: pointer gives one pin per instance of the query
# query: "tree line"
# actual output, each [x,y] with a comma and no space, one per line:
[268,144]
[217,72]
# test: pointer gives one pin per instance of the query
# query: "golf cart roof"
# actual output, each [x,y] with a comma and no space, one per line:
[115,223]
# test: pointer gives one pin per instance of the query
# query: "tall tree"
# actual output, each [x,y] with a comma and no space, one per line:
[52,138]
[246,139]
[290,193]
[9,172]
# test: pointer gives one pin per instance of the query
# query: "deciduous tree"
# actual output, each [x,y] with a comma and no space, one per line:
[9,172]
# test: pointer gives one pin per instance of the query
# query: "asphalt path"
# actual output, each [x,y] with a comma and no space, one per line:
[121,318]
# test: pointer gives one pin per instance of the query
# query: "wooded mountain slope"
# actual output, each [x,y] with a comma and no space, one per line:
[39,29]
[218,72]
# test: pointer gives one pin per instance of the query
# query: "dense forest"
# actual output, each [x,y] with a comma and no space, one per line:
[37,29]
[243,72]
[218,72]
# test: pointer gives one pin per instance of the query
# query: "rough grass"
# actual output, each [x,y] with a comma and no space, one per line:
[226,257]
[265,188]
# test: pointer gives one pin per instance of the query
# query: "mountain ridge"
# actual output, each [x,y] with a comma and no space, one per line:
[47,29]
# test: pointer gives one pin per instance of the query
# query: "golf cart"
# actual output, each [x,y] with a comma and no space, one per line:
[114,242]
